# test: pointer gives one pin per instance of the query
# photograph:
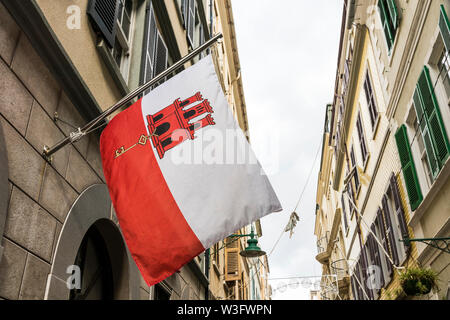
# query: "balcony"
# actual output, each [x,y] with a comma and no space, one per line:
[326,243]
[322,253]
[339,267]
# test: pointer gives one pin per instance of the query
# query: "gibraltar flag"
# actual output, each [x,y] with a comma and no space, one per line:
[178,178]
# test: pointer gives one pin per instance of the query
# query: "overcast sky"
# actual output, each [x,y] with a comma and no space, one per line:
[288,53]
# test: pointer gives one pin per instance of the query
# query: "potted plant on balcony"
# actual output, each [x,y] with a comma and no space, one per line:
[418,281]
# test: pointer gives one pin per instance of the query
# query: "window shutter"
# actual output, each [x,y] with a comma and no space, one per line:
[390,230]
[433,116]
[393,13]
[375,250]
[191,22]
[388,32]
[384,239]
[444,27]
[232,267]
[104,14]
[426,137]
[399,209]
[160,55]
[149,47]
[365,263]
[408,168]
[184,12]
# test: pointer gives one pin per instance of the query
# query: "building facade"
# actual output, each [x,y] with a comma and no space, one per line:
[384,168]
[62,64]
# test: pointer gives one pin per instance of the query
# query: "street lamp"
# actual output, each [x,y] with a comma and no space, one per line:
[252,250]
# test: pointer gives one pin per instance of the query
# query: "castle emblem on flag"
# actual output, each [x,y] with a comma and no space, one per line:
[175,123]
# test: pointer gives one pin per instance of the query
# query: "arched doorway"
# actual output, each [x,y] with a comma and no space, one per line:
[93,259]
[91,240]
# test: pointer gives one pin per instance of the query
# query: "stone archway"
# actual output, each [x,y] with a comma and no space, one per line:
[93,206]
[4,186]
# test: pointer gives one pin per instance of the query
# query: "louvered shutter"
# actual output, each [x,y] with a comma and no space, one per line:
[149,47]
[104,14]
[184,12]
[375,252]
[433,116]
[390,229]
[160,55]
[426,137]
[385,21]
[384,239]
[361,289]
[232,267]
[393,13]
[371,261]
[399,209]
[365,264]
[191,22]
[408,168]
[444,27]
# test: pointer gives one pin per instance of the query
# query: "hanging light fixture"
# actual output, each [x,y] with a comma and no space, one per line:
[252,250]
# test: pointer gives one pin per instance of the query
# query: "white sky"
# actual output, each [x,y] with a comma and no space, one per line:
[288,53]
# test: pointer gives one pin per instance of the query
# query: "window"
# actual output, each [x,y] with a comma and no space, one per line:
[370,98]
[389,20]
[362,139]
[344,212]
[122,45]
[413,124]
[161,293]
[431,125]
[155,55]
[444,70]
[394,218]
[355,175]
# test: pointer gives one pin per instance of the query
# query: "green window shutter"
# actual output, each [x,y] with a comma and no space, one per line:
[444,27]
[393,13]
[385,21]
[426,137]
[435,123]
[408,168]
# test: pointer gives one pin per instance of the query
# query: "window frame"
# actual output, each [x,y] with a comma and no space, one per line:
[125,43]
[372,105]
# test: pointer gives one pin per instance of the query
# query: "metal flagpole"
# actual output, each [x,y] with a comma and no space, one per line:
[75,136]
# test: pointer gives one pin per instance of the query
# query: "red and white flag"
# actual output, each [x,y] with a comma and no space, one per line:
[180,172]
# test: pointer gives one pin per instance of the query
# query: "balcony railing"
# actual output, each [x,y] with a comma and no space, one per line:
[340,268]
[323,242]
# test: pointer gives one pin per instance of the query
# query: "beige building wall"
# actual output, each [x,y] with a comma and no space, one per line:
[394,75]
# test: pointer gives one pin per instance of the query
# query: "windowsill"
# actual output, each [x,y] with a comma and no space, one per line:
[108,59]
[375,126]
